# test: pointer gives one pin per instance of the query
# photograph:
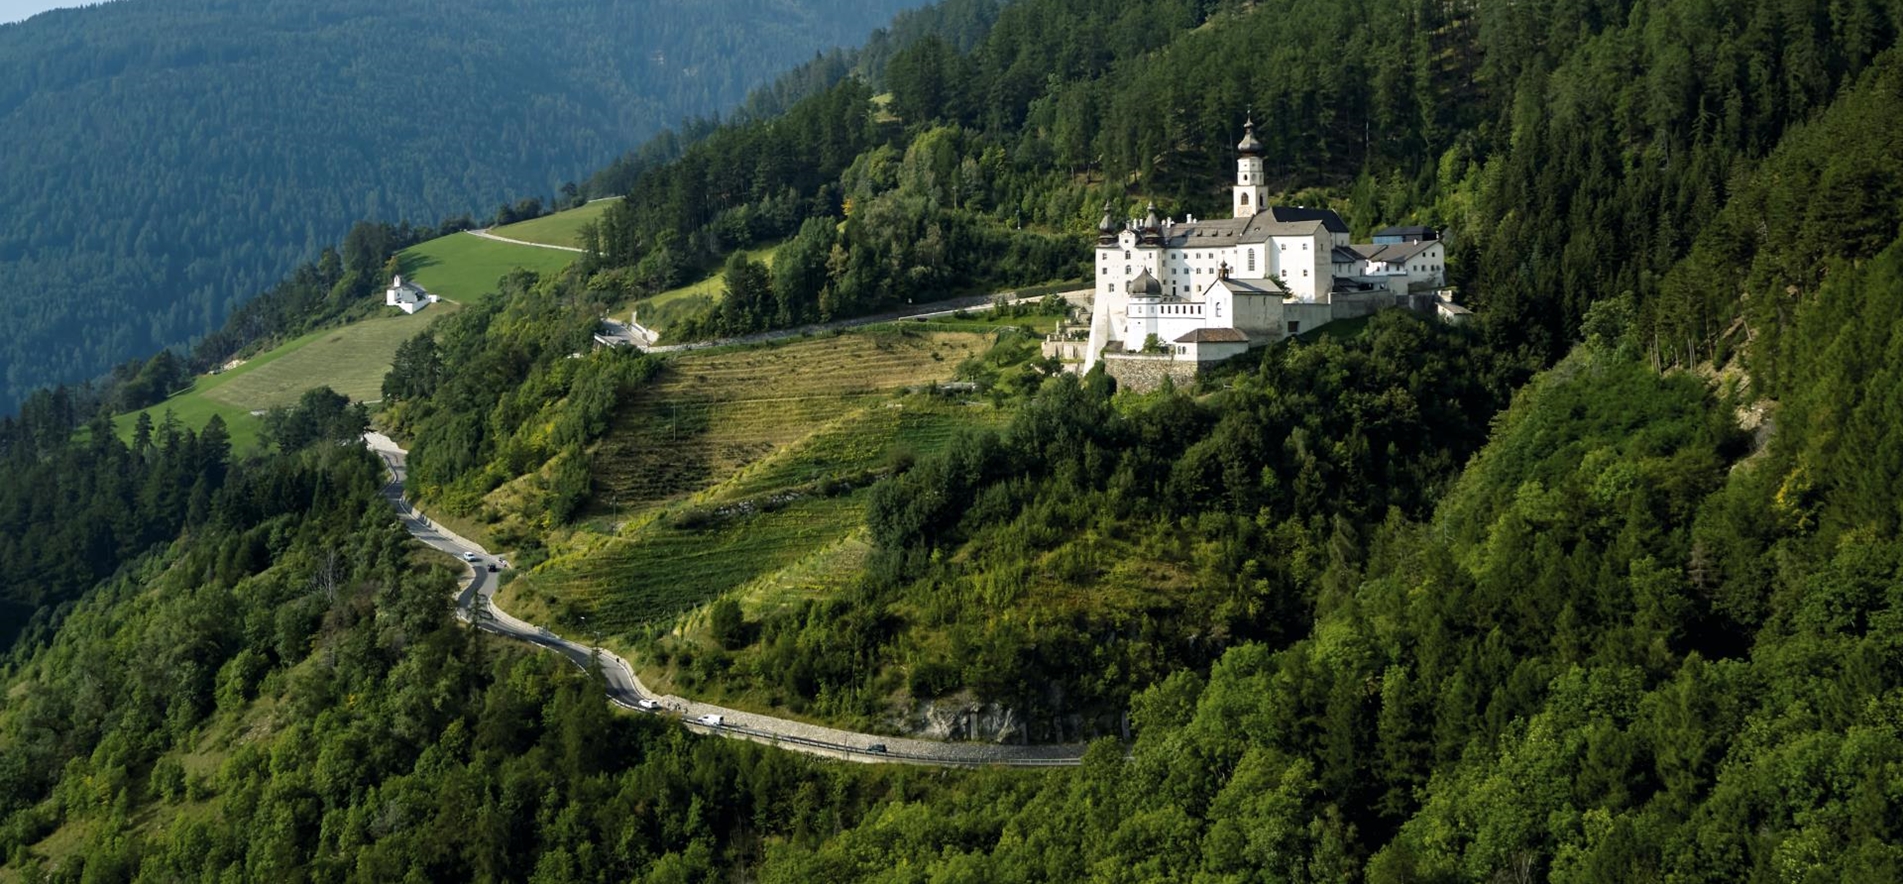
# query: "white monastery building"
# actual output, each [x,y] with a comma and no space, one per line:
[407,296]
[1201,291]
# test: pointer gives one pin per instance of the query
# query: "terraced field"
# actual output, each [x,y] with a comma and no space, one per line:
[713,413]
[746,472]
[659,571]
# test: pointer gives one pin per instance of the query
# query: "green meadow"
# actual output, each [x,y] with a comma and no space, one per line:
[463,265]
[351,359]
[559,229]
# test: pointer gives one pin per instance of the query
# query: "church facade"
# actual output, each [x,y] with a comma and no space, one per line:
[1197,292]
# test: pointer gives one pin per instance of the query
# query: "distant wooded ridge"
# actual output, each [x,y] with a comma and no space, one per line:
[167,160]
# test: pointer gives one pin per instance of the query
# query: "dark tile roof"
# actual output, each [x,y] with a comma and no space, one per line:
[1393,253]
[1145,284]
[1257,286]
[1225,232]
[1328,217]
[1214,336]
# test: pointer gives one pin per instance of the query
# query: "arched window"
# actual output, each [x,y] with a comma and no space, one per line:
[1245,198]
[1252,260]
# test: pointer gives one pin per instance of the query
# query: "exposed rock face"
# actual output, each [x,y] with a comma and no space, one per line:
[960,717]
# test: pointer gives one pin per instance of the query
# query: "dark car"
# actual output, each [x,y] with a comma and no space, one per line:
[876,747]
[492,568]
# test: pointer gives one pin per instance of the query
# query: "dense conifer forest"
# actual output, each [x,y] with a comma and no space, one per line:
[167,159]
[1605,586]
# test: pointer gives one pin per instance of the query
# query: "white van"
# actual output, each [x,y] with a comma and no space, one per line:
[711,720]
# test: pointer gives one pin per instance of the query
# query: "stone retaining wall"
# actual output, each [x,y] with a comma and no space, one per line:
[1144,372]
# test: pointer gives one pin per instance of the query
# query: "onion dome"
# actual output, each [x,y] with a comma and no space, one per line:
[1250,146]
[1150,230]
[1107,228]
[1145,286]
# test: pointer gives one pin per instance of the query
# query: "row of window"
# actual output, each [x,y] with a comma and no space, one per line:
[1249,255]
[1185,310]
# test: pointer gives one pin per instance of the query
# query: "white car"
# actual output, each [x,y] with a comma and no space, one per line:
[648,705]
[711,720]
[471,557]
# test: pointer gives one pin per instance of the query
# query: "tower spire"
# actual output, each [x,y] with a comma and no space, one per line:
[1251,185]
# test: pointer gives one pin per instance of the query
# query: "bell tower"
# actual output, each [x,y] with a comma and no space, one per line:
[1251,185]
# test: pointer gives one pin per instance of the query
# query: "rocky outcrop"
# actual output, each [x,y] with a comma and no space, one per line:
[961,718]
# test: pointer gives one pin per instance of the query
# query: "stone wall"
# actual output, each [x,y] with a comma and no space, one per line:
[1143,372]
[1066,351]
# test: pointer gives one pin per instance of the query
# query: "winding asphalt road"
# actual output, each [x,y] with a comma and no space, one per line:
[477,601]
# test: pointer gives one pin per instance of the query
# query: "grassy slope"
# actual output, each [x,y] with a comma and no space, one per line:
[713,413]
[692,298]
[352,359]
[462,265]
[719,468]
[559,229]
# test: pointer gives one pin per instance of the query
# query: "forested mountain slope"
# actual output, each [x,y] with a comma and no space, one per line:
[1562,164]
[1568,151]
[167,159]
[1534,599]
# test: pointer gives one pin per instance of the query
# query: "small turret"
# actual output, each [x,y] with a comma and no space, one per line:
[1151,230]
[1107,228]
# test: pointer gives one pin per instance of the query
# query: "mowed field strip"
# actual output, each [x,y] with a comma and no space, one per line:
[351,359]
